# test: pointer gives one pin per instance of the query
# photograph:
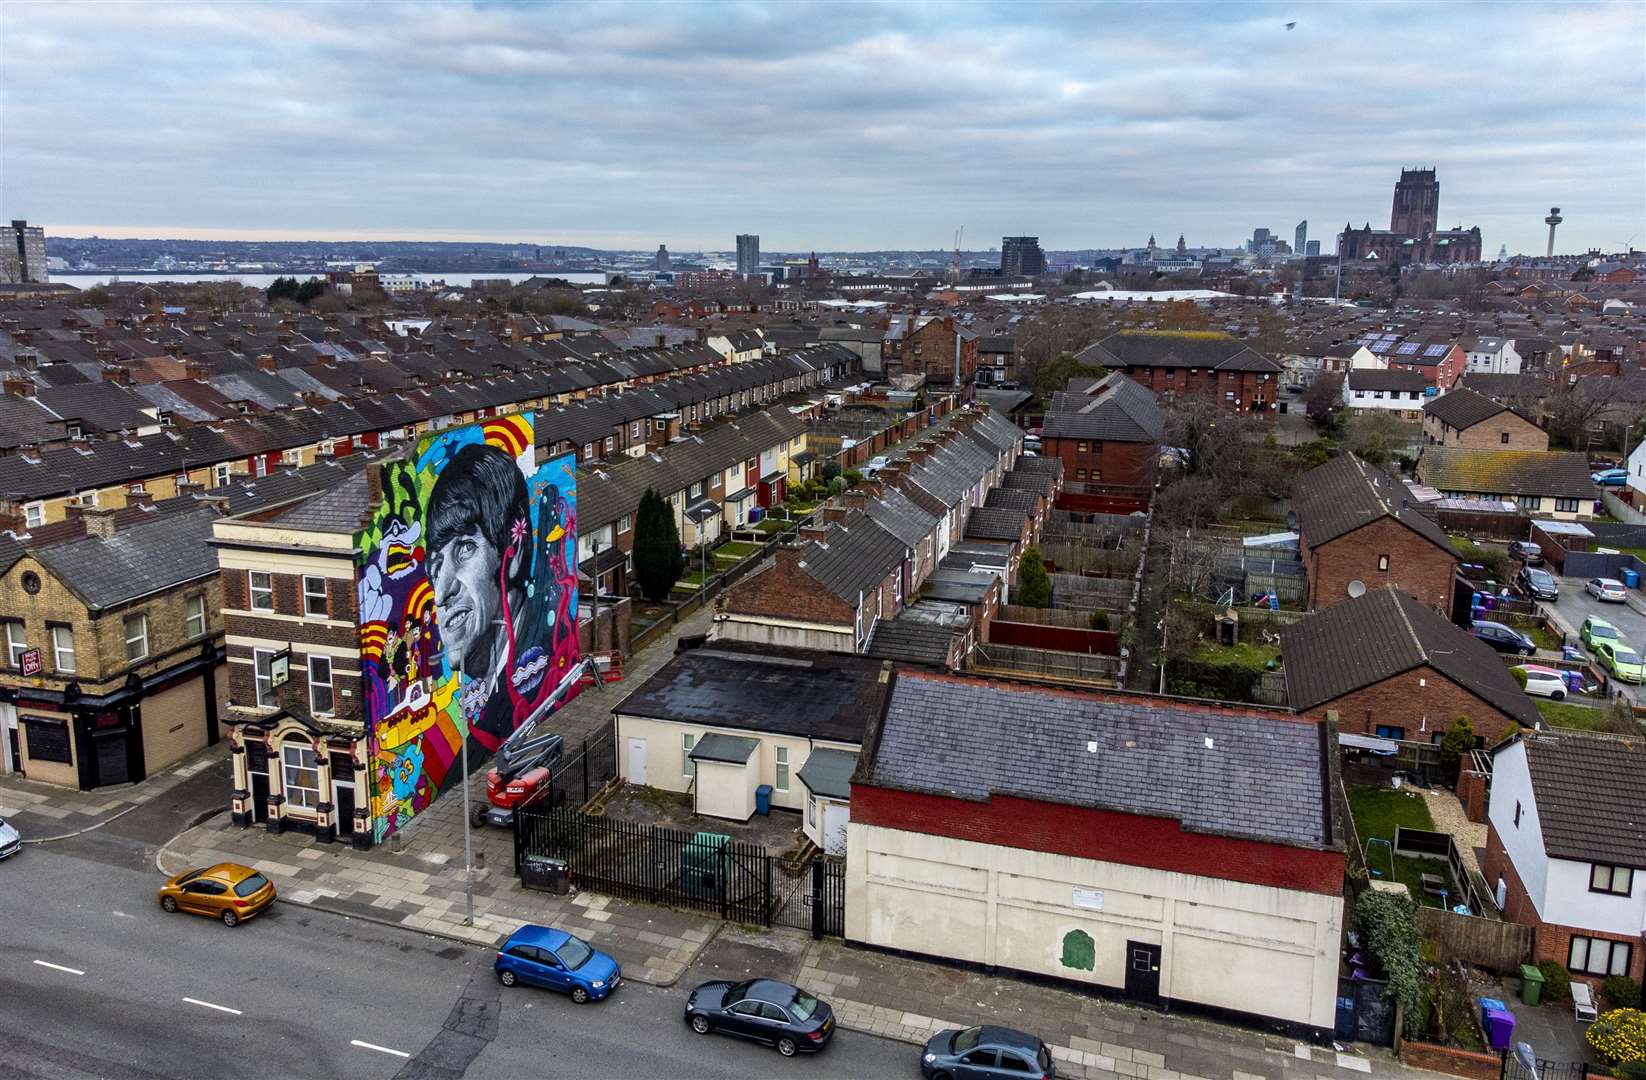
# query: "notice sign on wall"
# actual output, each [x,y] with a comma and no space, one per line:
[29,662]
[1089,898]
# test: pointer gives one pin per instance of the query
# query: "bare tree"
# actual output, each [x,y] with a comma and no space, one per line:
[1377,436]
[1569,411]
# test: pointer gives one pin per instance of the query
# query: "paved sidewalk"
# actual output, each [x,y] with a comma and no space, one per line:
[1090,1037]
[46,812]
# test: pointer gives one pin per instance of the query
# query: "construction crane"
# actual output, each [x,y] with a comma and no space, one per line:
[959,235]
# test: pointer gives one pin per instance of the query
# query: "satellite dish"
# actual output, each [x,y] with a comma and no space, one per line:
[1357,588]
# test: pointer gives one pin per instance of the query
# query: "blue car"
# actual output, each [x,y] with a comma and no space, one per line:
[556,960]
[1610,477]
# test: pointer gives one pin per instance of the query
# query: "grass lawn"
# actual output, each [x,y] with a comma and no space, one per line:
[736,549]
[1571,715]
[1377,812]
[694,580]
[769,525]
[1247,653]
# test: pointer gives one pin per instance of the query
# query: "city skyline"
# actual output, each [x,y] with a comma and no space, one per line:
[1088,126]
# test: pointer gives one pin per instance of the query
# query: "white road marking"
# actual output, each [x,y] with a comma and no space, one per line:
[379,1049]
[60,967]
[209,1005]
[123,915]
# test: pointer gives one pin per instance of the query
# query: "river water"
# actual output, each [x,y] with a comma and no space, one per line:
[263,281]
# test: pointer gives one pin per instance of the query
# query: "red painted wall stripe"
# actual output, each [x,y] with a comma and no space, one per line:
[1106,835]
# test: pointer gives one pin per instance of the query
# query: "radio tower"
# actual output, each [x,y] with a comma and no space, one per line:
[1552,220]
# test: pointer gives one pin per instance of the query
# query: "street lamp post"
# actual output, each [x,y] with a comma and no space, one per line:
[468,840]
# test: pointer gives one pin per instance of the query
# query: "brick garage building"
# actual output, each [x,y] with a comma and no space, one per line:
[1389,666]
[1356,523]
[1109,433]
[113,650]
[1566,848]
[1121,843]
[1174,363]
[1465,418]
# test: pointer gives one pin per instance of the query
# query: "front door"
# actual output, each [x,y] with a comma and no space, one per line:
[1143,973]
[259,793]
[342,796]
[637,762]
[112,757]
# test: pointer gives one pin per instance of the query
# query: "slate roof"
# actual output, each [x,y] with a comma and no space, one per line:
[1503,387]
[1262,777]
[340,509]
[995,523]
[102,406]
[1117,409]
[731,749]
[135,561]
[1564,474]
[764,688]
[1397,379]
[24,421]
[1346,493]
[856,556]
[828,772]
[911,641]
[1181,349]
[1462,408]
[1588,790]
[1361,642]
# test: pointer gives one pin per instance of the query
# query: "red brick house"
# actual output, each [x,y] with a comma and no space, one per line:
[1174,363]
[1465,418]
[1389,666]
[1357,531]
[1109,435]
[933,345]
[1566,848]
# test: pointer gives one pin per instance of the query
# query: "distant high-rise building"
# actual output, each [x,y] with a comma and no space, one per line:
[748,255]
[1416,210]
[662,262]
[1020,256]
[1300,241]
[23,253]
[1312,249]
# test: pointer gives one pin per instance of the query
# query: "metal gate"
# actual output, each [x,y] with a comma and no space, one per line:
[817,900]
[1364,1012]
[1513,1069]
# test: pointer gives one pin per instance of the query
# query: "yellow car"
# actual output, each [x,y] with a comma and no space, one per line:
[1623,662]
[227,891]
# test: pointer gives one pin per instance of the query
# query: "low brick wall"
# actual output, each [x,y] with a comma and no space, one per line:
[1444,1059]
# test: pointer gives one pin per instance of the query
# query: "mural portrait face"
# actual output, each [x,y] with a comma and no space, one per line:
[478,520]
[468,605]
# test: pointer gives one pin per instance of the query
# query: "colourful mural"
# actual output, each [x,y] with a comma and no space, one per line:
[468,606]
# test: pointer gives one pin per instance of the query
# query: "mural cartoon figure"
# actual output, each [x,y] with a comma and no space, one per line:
[468,604]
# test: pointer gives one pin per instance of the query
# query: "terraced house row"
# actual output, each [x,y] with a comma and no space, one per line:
[123,445]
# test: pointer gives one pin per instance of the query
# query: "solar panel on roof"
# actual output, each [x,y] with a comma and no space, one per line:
[1435,350]
[1407,348]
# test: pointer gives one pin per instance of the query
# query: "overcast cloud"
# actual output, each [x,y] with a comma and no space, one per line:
[829,126]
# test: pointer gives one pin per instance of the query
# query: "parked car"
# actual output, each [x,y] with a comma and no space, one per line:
[11,841]
[555,960]
[1537,583]
[1502,638]
[988,1051]
[763,1010]
[1623,662]
[227,891]
[1597,630]
[872,469]
[1545,682]
[1527,552]
[1610,477]
[1608,589]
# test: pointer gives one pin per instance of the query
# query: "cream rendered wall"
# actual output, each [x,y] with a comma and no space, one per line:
[1253,948]
[765,630]
[724,790]
[666,756]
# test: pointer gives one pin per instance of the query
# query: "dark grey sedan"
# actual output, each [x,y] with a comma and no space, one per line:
[985,1053]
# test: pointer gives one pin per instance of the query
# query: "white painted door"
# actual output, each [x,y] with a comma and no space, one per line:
[637,762]
[835,816]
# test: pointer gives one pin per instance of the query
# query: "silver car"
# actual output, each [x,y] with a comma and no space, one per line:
[1608,589]
[11,841]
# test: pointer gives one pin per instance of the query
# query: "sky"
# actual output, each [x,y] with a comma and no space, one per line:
[828,126]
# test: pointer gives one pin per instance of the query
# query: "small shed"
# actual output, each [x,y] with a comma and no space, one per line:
[827,776]
[725,782]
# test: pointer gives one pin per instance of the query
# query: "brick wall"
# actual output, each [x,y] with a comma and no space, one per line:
[1399,701]
[786,591]
[1488,434]
[1551,941]
[1088,833]
[1246,386]
[1445,1059]
[1416,566]
[1117,463]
